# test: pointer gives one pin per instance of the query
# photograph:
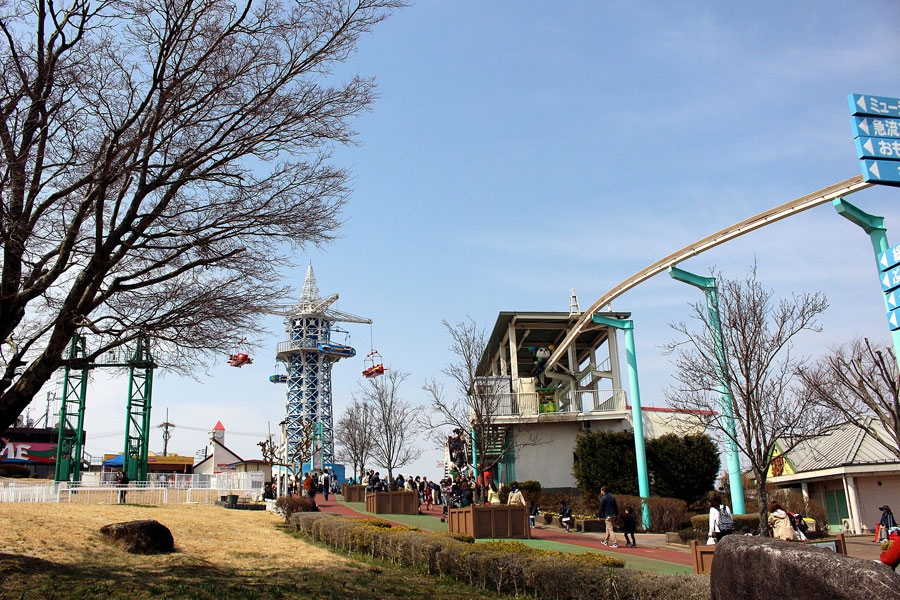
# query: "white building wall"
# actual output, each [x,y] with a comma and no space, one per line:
[875,491]
[551,461]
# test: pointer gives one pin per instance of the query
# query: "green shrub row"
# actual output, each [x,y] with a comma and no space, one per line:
[751,520]
[505,567]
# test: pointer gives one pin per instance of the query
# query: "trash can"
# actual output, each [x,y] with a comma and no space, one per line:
[232,501]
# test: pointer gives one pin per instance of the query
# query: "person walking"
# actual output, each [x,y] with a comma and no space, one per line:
[609,512]
[515,497]
[565,515]
[326,484]
[886,523]
[629,527]
[721,523]
[122,482]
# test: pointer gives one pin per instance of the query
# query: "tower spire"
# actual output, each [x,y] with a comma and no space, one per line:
[310,292]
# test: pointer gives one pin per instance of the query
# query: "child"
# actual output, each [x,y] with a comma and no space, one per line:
[565,515]
[629,526]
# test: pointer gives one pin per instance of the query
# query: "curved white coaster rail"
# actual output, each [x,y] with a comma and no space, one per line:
[844,188]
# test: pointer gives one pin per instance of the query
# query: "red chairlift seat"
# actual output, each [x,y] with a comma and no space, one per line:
[240,359]
[373,368]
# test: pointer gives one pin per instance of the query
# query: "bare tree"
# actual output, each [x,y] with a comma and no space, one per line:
[394,422]
[356,436]
[860,382]
[758,369]
[476,402]
[160,160]
[275,455]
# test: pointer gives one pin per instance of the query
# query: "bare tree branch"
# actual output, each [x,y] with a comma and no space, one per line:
[160,162]
[758,371]
[860,382]
[356,436]
[394,421]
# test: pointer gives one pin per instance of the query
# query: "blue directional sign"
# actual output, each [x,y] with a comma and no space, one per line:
[892,300]
[881,171]
[889,258]
[890,279]
[893,318]
[875,127]
[875,106]
[877,147]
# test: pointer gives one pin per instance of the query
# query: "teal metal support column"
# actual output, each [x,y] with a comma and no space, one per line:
[733,460]
[874,226]
[637,418]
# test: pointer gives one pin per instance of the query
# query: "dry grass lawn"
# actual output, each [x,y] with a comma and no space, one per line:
[55,551]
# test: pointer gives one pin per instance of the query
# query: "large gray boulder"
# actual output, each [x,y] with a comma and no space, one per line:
[755,567]
[140,537]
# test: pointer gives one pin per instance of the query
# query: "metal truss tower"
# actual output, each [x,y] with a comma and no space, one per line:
[309,355]
[69,447]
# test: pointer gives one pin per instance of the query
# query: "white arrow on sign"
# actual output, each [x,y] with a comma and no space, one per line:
[861,103]
[873,169]
[868,146]
[891,299]
[892,320]
[864,126]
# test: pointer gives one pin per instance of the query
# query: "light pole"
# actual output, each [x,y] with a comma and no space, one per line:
[708,285]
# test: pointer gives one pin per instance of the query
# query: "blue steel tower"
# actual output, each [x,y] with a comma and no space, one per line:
[309,354]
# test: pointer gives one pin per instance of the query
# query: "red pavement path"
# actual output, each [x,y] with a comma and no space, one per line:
[547,533]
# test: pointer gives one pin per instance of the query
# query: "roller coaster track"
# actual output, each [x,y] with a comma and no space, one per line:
[844,188]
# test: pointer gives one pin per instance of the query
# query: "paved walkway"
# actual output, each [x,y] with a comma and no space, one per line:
[652,552]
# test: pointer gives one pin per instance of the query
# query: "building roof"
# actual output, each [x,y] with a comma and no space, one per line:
[846,445]
[542,329]
[219,426]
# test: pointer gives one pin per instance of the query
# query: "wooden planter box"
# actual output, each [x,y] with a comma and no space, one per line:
[353,493]
[493,522]
[393,503]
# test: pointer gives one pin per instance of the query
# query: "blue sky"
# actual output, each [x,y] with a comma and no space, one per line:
[521,149]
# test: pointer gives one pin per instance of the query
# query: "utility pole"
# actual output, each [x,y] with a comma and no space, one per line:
[167,435]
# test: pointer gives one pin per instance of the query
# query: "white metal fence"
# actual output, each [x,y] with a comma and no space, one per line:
[196,489]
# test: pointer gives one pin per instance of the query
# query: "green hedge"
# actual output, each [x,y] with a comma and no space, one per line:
[505,567]
[751,520]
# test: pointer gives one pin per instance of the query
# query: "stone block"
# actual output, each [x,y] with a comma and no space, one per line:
[140,537]
[746,568]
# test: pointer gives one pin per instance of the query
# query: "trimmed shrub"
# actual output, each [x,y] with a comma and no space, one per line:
[288,505]
[751,520]
[505,567]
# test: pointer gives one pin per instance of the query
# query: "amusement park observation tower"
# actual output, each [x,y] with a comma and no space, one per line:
[308,355]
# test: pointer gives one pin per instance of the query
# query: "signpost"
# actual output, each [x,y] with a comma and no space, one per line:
[876,106]
[876,132]
[875,127]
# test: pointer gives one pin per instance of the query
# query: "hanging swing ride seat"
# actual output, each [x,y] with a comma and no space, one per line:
[240,359]
[373,368]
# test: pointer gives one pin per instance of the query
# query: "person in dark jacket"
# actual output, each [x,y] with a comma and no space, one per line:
[609,512]
[565,515]
[886,523]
